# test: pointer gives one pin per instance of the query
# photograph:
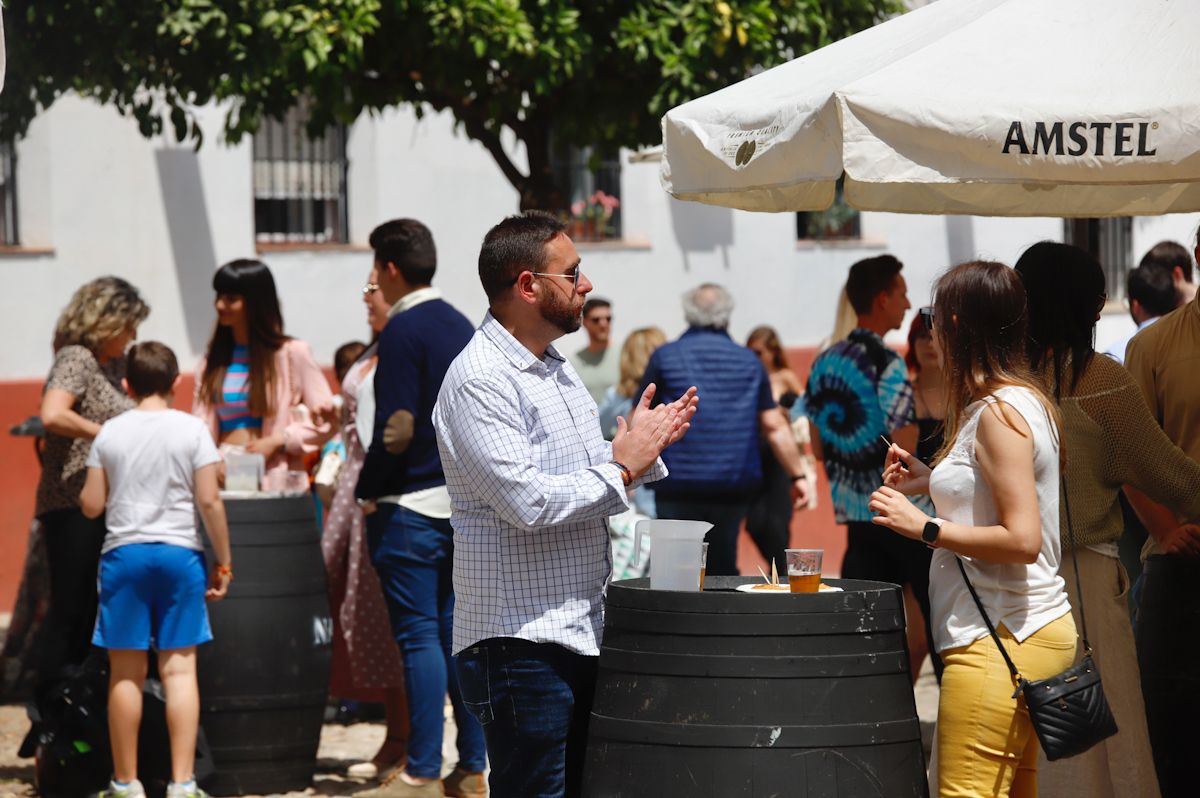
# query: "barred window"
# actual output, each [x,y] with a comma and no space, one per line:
[299,182]
[590,179]
[9,235]
[1110,241]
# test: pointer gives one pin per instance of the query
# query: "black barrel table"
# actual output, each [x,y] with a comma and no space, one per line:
[727,694]
[264,678]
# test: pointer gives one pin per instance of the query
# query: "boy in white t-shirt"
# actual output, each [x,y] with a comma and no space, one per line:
[153,467]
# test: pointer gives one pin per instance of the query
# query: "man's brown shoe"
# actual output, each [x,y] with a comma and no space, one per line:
[397,787]
[464,784]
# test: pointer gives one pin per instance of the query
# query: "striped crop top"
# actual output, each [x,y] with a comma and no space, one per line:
[233,411]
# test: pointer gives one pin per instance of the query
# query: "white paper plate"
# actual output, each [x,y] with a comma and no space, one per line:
[750,588]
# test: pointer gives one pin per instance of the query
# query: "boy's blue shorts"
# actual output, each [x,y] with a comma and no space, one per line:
[152,596]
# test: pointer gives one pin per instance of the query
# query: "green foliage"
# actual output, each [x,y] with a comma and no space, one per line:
[599,72]
[155,59]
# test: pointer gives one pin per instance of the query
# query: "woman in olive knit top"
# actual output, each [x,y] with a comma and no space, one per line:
[1111,440]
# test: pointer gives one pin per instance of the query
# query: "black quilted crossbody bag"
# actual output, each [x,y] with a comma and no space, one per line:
[1069,711]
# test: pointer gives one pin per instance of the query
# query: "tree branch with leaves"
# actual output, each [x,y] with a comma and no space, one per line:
[551,72]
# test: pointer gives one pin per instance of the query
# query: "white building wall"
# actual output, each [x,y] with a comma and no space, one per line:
[96,198]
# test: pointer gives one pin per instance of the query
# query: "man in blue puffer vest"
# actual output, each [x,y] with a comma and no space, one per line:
[716,469]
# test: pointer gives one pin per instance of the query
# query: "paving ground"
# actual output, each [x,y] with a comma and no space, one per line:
[341,746]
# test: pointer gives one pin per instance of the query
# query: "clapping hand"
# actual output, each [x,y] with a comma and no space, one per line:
[904,473]
[640,440]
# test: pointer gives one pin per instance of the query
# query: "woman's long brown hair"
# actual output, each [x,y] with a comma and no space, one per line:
[251,280]
[981,323]
[770,342]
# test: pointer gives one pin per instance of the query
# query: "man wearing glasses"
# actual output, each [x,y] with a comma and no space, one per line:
[532,483]
[403,491]
[599,363]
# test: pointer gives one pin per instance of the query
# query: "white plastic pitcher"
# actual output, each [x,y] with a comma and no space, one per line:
[675,558]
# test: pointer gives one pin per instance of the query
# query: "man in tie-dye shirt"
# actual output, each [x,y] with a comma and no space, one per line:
[858,390]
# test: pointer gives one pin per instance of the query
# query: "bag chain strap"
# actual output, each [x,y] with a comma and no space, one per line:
[1087,647]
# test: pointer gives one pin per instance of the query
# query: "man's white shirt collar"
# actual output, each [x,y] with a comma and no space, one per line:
[411,300]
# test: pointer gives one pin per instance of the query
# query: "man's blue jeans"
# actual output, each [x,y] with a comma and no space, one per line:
[726,518]
[533,700]
[414,556]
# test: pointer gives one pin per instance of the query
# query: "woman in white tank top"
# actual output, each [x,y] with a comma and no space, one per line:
[995,487]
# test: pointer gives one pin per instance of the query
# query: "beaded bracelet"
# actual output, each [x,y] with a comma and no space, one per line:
[626,474]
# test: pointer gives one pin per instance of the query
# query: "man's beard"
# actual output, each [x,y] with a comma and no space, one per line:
[561,314]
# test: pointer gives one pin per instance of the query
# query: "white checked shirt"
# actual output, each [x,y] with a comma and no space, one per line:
[531,487]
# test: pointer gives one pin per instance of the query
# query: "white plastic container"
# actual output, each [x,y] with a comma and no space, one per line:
[244,472]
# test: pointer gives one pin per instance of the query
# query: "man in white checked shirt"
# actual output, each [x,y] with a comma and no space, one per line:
[532,483]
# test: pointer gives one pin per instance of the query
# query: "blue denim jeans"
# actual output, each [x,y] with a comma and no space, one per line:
[726,518]
[414,555]
[533,700]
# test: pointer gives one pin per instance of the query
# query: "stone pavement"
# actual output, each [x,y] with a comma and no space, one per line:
[341,746]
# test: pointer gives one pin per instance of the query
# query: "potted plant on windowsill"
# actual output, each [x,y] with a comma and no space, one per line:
[590,219]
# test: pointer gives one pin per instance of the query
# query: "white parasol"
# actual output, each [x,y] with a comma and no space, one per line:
[992,107]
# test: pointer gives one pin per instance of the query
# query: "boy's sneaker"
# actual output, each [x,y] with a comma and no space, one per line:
[185,790]
[133,789]
[465,784]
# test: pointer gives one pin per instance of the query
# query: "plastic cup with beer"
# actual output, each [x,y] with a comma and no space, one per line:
[804,569]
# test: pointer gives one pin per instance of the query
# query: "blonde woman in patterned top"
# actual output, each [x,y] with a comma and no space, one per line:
[83,390]
[1111,440]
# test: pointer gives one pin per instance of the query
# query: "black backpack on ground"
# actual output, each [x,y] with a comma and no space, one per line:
[72,754]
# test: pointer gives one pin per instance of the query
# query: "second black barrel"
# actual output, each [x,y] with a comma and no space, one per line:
[727,694]
[264,678]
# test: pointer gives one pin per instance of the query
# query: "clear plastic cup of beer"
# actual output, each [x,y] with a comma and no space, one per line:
[804,569]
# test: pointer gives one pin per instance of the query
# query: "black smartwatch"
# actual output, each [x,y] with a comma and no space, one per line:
[933,527]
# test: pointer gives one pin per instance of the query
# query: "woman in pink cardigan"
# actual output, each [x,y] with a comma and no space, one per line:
[256,387]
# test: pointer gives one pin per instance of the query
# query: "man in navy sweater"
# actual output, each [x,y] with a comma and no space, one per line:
[403,491]
[716,468]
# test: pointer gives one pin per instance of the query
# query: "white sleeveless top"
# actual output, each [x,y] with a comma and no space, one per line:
[1022,597]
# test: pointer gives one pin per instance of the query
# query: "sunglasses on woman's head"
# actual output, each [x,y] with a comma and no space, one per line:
[926,314]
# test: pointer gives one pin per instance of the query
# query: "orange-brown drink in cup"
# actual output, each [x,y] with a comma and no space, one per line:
[804,569]
[703,562]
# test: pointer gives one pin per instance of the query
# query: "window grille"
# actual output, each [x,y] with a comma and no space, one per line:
[9,234]
[1110,241]
[299,182]
[581,172]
